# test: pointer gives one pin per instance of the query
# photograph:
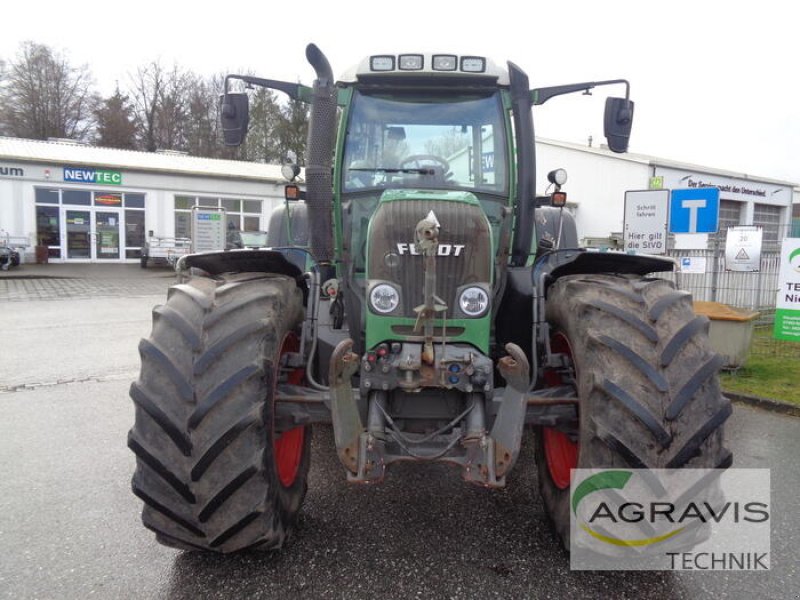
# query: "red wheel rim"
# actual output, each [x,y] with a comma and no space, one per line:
[288,454]
[560,451]
[562,456]
[288,446]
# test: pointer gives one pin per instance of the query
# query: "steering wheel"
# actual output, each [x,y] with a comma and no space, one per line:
[418,159]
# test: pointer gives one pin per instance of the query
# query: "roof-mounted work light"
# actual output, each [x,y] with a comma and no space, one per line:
[381,63]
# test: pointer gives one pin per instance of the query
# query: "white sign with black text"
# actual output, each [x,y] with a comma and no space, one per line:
[743,248]
[646,214]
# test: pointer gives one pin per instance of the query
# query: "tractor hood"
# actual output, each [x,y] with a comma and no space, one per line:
[463,254]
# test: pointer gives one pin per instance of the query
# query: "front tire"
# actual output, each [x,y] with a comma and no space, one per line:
[211,469]
[646,377]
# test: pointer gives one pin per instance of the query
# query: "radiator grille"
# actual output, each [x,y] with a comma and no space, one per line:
[464,248]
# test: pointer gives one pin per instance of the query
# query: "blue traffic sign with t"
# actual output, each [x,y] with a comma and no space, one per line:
[694,210]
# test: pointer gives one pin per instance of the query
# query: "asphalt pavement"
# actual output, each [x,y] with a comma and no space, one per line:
[56,281]
[70,526]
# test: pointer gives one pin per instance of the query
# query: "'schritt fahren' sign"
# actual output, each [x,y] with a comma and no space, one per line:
[646,214]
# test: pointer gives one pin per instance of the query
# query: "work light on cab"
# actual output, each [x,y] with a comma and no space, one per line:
[410,62]
[444,62]
[473,64]
[381,63]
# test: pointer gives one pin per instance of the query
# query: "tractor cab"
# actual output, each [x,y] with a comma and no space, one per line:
[431,141]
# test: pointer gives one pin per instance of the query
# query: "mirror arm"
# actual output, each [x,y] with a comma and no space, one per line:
[295,91]
[542,95]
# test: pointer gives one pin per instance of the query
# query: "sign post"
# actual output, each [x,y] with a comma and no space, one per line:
[645,228]
[787,306]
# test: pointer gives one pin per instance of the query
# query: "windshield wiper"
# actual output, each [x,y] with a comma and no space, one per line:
[415,170]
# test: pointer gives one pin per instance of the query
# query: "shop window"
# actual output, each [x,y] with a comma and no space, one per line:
[251,223]
[134,200]
[47,226]
[134,228]
[78,234]
[234,206]
[112,199]
[242,215]
[251,206]
[79,197]
[183,225]
[46,196]
[184,202]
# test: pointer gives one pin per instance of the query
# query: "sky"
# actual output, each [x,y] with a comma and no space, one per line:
[715,83]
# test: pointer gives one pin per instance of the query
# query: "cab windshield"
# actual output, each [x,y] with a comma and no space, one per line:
[425,142]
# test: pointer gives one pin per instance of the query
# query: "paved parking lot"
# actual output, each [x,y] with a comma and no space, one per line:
[71,529]
[66,281]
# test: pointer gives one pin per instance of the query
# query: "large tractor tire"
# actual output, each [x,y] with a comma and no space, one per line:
[646,377]
[211,469]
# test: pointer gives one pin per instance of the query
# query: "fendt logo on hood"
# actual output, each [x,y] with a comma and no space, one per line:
[404,248]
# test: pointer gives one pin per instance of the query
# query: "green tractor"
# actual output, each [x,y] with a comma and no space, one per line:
[439,311]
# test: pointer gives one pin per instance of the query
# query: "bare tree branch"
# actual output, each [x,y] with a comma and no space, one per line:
[43,96]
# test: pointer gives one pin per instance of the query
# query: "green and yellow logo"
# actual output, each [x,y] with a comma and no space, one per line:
[640,508]
[613,480]
[794,259]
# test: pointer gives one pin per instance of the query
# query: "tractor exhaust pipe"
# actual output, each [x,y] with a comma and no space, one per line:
[319,178]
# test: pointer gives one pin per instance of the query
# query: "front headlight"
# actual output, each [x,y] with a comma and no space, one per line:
[473,301]
[384,298]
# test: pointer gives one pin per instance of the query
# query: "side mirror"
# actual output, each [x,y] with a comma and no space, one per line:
[617,123]
[235,117]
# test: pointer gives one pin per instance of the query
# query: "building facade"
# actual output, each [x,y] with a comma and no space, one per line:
[88,204]
[598,180]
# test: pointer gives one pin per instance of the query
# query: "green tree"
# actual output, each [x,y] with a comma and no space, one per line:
[116,123]
[292,130]
[263,138]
